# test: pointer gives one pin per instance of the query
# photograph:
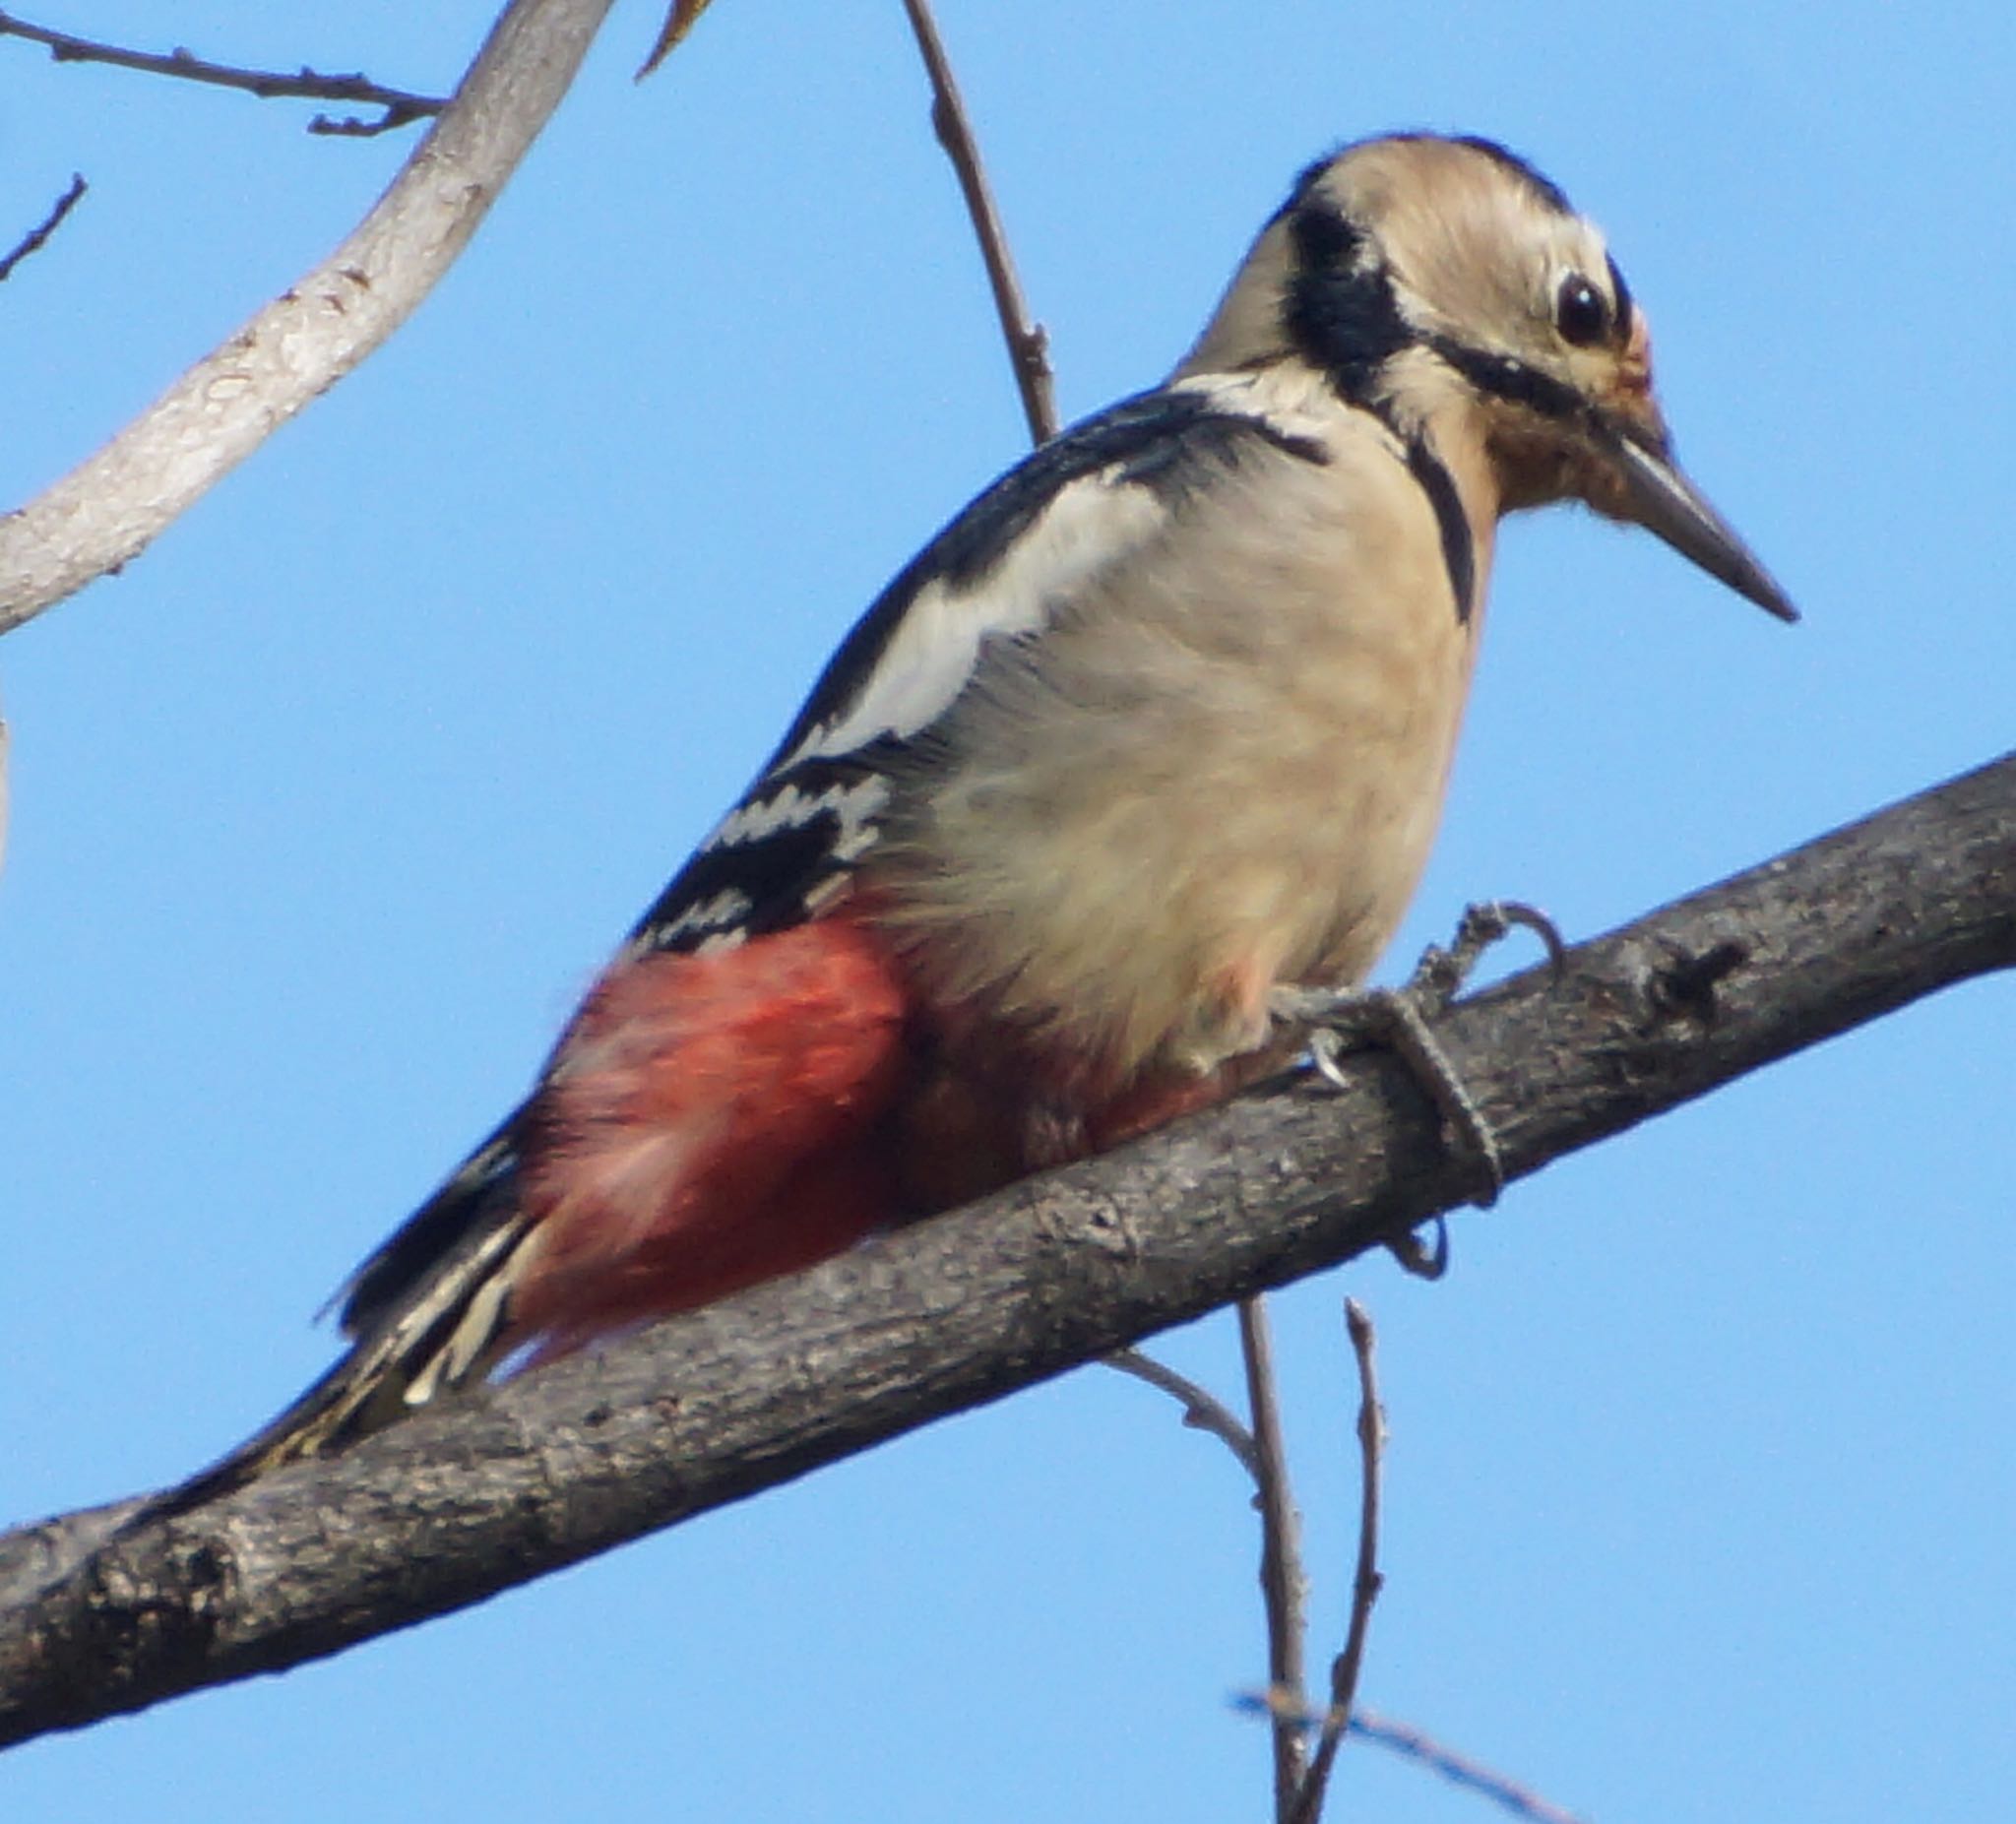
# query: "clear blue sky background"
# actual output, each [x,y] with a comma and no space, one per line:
[1703,1464]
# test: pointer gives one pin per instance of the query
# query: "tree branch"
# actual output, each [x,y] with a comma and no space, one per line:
[451,1507]
[110,507]
[402,106]
[1458,1769]
[1284,1589]
[1203,1411]
[1367,1579]
[37,236]
[1029,343]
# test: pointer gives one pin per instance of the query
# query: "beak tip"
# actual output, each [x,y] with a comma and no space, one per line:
[1668,505]
[1750,580]
[1774,600]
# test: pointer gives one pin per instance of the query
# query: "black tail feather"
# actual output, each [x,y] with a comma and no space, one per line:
[430,1314]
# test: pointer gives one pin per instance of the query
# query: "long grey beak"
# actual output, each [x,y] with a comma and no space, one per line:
[1664,501]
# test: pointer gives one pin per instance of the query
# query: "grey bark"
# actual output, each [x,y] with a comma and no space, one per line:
[705,1409]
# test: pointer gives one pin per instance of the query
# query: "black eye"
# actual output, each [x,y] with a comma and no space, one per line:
[1580,313]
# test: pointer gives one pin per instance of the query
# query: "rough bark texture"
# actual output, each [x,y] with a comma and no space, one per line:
[455,1505]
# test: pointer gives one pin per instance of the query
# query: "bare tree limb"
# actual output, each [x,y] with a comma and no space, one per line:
[452,1507]
[1028,345]
[37,236]
[1366,1582]
[111,506]
[402,106]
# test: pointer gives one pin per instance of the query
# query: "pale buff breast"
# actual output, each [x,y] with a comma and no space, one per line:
[1219,771]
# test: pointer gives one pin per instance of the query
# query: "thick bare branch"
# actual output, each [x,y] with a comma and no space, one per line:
[402,106]
[452,1507]
[111,506]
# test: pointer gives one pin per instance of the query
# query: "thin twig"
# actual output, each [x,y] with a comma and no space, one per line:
[50,223]
[1367,1581]
[1280,1554]
[1203,1411]
[1421,1747]
[1416,1746]
[1029,346]
[402,106]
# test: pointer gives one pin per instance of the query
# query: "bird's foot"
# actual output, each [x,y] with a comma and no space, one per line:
[1346,1020]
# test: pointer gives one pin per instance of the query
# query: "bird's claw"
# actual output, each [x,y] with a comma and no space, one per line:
[1344,1019]
[1442,975]
[1424,1260]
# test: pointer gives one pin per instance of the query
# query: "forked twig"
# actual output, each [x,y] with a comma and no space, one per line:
[112,505]
[402,106]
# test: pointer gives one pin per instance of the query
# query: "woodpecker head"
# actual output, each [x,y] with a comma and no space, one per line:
[1445,282]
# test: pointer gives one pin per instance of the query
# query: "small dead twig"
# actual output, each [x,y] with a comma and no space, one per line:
[1203,1411]
[402,106]
[1367,1581]
[1029,345]
[50,223]
[1417,1745]
[1281,1584]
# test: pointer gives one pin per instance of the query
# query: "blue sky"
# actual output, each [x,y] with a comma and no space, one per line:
[1703,1463]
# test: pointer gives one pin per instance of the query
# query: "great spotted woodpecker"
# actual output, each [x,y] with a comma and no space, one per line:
[1153,732]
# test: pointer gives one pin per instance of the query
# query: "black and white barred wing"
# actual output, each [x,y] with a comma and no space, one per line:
[1086,503]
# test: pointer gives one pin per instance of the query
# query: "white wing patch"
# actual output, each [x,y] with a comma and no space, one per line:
[1092,523]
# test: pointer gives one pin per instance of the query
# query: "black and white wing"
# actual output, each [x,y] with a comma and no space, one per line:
[1087,501]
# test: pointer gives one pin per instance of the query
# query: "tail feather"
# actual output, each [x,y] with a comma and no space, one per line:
[431,1235]
[430,1312]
